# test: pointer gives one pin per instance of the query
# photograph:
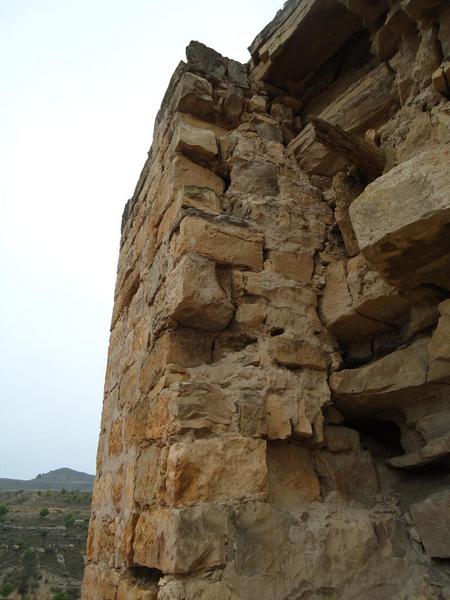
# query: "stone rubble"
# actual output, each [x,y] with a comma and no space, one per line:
[276,415]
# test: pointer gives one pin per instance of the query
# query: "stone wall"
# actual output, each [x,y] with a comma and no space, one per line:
[276,413]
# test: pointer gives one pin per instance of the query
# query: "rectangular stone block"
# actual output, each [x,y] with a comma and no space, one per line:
[180,541]
[225,244]
[196,143]
[182,347]
[293,265]
[402,220]
[191,405]
[296,353]
[194,297]
[194,95]
[215,469]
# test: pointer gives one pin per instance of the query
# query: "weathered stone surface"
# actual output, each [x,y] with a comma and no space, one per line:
[257,270]
[181,540]
[215,469]
[194,95]
[371,295]
[196,298]
[225,244]
[197,144]
[397,242]
[296,353]
[432,519]
[439,347]
[291,476]
[338,312]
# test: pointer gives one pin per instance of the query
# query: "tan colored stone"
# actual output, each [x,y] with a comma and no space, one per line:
[257,104]
[225,244]
[181,541]
[296,353]
[293,265]
[371,295]
[291,477]
[278,417]
[352,475]
[187,406]
[194,95]
[147,476]
[432,518]
[441,78]
[196,143]
[439,347]
[215,469]
[408,246]
[336,306]
[184,347]
[195,298]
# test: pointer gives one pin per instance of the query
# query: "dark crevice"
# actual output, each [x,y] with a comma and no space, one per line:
[145,576]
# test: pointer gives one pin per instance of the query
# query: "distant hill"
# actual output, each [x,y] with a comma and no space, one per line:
[53,480]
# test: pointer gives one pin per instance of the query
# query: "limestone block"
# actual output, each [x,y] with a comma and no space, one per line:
[345,190]
[255,176]
[225,244]
[184,172]
[100,582]
[441,78]
[439,347]
[341,439]
[125,294]
[293,265]
[147,476]
[233,105]
[196,406]
[291,476]
[195,298]
[401,220]
[183,347]
[338,313]
[352,475]
[206,61]
[432,518]
[181,541]
[295,353]
[215,469]
[371,294]
[278,417]
[196,143]
[194,95]
[290,54]
[257,104]
[388,382]
[355,104]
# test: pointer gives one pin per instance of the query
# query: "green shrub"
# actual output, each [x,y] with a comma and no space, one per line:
[43,512]
[6,590]
[60,596]
[69,519]
[3,510]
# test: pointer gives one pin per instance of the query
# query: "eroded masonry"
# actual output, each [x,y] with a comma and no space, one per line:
[276,420]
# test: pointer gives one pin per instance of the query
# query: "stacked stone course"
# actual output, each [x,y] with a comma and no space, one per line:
[279,362]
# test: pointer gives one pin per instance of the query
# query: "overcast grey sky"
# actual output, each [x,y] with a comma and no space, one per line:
[80,84]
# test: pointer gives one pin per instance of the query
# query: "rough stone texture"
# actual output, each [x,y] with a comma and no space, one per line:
[276,415]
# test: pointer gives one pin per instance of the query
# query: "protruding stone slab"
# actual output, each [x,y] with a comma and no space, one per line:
[225,244]
[402,221]
[195,299]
